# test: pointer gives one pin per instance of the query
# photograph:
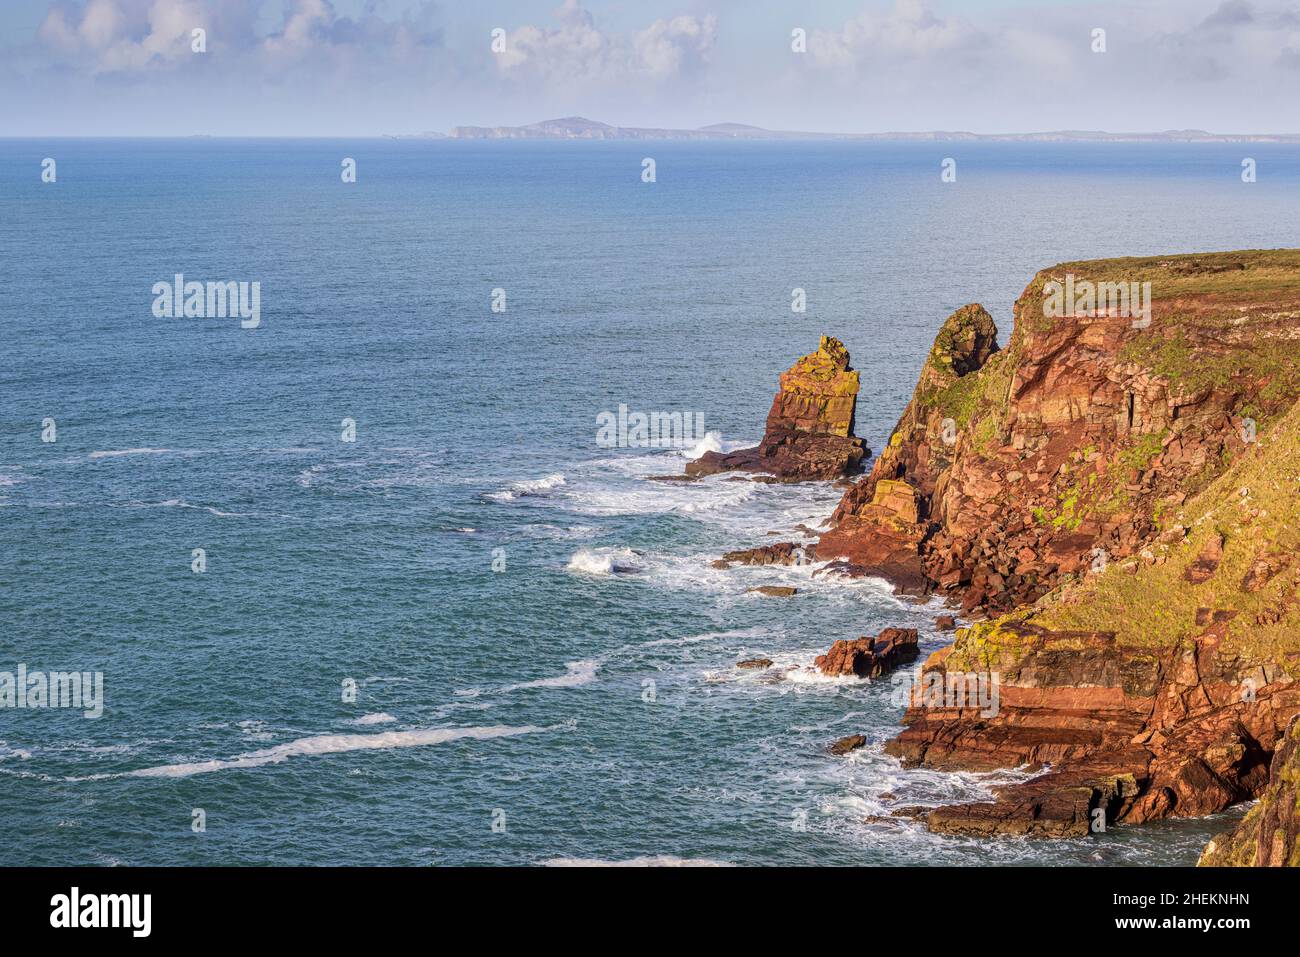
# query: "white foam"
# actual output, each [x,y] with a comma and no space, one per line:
[114,453]
[539,486]
[181,503]
[576,674]
[308,476]
[378,717]
[332,744]
[705,636]
[645,498]
[712,442]
[603,561]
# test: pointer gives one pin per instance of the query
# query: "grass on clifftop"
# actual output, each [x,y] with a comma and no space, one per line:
[1255,506]
[1249,275]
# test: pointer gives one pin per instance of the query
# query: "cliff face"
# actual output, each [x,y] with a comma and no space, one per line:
[1077,444]
[809,432]
[1156,686]
[880,524]
[1269,835]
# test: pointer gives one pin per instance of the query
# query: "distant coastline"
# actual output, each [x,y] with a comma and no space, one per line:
[580,128]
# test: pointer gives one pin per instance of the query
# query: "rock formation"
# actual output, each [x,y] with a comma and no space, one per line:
[881,538]
[781,553]
[1269,835]
[847,744]
[869,657]
[809,431]
[1076,444]
[1112,499]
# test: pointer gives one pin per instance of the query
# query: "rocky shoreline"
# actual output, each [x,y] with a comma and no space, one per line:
[1111,500]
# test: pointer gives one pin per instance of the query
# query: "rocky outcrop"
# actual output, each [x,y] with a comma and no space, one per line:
[773,591]
[923,443]
[847,744]
[809,432]
[1074,445]
[1112,499]
[1130,735]
[1269,834]
[882,538]
[781,553]
[869,657]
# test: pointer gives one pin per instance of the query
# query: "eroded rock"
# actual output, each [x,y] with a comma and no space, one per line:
[847,744]
[773,591]
[870,657]
[809,434]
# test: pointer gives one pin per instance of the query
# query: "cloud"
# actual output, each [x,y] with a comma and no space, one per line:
[579,52]
[908,31]
[143,37]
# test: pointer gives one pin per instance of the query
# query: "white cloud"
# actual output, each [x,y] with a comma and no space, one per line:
[578,51]
[908,31]
[147,36]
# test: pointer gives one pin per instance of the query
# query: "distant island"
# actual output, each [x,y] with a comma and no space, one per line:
[580,128]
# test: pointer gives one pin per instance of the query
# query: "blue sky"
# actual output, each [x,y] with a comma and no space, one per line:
[368,67]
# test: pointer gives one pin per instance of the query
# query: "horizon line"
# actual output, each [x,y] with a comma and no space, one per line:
[702,133]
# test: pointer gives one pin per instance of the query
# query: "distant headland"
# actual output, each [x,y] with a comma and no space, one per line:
[580,128]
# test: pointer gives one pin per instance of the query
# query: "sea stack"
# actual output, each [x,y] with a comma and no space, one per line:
[809,433]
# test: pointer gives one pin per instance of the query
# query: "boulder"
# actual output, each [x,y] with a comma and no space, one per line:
[850,743]
[870,657]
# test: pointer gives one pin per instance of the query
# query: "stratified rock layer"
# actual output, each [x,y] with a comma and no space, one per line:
[809,431]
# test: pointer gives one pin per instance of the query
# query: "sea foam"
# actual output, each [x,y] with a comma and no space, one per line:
[332,744]
[603,561]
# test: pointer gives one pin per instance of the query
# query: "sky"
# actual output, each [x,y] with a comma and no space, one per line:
[375,67]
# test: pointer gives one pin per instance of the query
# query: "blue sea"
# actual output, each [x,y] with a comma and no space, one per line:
[474,635]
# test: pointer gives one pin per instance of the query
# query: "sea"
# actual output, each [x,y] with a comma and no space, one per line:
[362,580]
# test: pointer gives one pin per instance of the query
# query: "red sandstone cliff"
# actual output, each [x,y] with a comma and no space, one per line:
[1131,488]
[1073,445]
